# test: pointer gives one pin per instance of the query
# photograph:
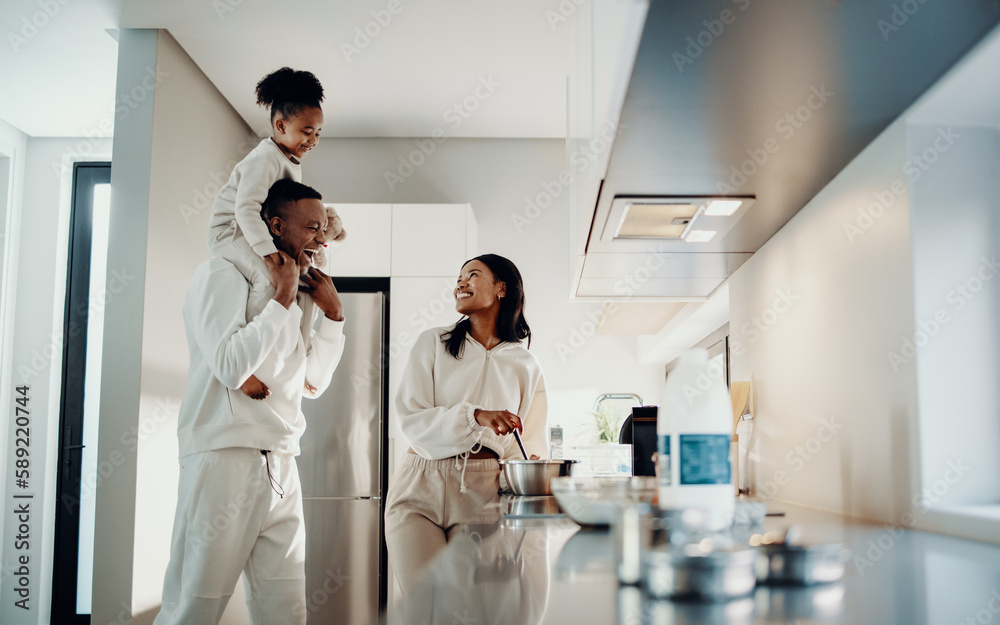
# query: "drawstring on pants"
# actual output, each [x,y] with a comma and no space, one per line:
[275,486]
[465,460]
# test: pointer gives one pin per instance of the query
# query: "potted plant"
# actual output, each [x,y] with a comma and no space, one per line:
[604,456]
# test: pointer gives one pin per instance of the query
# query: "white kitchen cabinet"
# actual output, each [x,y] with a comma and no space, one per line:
[431,239]
[367,249]
[421,248]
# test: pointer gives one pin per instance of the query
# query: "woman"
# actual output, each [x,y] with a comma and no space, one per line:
[466,388]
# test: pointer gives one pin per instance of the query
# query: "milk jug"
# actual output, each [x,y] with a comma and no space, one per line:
[693,428]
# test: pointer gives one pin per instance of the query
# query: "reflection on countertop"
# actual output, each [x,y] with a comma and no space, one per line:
[513,566]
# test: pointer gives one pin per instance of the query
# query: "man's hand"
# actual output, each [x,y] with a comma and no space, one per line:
[284,277]
[320,287]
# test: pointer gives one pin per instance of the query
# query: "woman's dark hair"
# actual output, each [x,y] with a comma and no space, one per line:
[512,327]
[288,91]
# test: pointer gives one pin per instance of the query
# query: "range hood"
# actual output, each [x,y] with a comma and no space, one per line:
[767,99]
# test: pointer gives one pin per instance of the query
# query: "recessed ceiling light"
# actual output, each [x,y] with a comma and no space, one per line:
[722,208]
[700,236]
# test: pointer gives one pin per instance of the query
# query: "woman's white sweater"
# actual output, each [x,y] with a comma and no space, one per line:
[439,394]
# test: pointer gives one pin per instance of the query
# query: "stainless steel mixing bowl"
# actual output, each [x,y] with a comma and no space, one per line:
[532,477]
[801,564]
[690,573]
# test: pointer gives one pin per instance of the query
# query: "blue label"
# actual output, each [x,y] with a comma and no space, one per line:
[705,459]
[664,478]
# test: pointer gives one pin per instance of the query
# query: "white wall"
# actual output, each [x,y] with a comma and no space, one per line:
[955,227]
[35,283]
[496,176]
[893,331]
[814,314]
[189,162]
[13,146]
[166,167]
[39,317]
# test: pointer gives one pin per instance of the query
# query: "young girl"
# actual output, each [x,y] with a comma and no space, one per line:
[467,387]
[236,231]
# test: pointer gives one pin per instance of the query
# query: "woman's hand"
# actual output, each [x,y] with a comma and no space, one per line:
[500,421]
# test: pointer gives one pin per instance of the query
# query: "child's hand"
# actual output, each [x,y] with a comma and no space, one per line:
[310,389]
[255,389]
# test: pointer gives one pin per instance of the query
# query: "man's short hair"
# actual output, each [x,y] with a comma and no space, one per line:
[284,193]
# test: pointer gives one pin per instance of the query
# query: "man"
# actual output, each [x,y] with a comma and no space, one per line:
[239,505]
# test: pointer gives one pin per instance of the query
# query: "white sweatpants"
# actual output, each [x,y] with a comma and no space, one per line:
[229,520]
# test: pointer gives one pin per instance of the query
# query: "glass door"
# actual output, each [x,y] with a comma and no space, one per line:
[86,295]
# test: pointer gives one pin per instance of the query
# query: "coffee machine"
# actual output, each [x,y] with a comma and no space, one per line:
[639,430]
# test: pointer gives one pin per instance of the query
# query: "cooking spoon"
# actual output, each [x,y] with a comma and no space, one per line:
[517,436]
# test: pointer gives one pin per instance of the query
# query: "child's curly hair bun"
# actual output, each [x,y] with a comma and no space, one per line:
[287,91]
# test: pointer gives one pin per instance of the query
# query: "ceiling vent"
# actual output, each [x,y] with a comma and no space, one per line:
[688,220]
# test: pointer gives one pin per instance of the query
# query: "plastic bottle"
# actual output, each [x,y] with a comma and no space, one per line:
[556,442]
[693,430]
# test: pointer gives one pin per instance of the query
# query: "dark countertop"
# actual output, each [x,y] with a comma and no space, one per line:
[500,569]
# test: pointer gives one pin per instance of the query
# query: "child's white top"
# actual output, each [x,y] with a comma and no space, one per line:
[246,190]
[439,394]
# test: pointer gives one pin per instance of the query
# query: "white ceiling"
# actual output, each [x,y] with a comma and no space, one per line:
[428,57]
[58,80]
[630,318]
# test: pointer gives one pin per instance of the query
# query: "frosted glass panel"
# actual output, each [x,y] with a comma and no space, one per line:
[92,395]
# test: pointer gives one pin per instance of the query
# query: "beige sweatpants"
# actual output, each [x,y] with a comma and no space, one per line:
[425,504]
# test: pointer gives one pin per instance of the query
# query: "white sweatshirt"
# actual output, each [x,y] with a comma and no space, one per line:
[439,395]
[240,198]
[225,350]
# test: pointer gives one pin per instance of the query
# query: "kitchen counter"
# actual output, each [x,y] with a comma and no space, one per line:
[501,569]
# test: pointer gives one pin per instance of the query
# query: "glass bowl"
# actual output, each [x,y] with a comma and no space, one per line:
[595,500]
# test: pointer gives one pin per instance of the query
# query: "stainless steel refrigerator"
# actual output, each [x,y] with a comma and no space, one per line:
[342,468]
